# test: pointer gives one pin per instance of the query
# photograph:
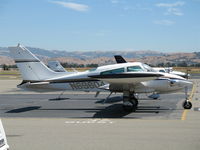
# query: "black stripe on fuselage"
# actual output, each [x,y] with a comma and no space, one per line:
[72,80]
[125,75]
[26,60]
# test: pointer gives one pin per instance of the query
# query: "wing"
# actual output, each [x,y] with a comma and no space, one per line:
[126,81]
[126,78]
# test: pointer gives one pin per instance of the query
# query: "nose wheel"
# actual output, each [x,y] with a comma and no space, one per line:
[187,104]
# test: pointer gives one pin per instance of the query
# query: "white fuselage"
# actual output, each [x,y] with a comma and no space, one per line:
[92,80]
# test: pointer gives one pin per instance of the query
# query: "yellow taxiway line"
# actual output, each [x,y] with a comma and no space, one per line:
[183,117]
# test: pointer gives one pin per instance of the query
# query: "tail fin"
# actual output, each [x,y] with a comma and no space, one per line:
[119,59]
[30,66]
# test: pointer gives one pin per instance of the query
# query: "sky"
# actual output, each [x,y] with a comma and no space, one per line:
[85,25]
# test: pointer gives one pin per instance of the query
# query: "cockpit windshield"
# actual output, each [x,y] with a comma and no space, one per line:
[134,69]
[93,69]
[148,68]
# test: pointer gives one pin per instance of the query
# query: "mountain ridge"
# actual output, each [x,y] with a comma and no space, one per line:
[105,57]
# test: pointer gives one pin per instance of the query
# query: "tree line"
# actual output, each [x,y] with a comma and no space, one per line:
[75,65]
[65,65]
[179,64]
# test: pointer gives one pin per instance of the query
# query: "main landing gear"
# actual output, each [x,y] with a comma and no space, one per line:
[130,102]
[187,104]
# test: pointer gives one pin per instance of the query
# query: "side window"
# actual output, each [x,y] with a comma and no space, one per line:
[161,71]
[114,71]
[134,69]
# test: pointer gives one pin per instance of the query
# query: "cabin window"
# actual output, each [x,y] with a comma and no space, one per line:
[148,68]
[134,69]
[114,71]
[161,71]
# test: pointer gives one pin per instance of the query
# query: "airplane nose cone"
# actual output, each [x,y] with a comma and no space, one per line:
[186,83]
[181,83]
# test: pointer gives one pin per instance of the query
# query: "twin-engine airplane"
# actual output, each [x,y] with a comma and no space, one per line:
[126,78]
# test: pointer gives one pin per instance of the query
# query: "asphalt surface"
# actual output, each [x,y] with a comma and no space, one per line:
[87,106]
[80,121]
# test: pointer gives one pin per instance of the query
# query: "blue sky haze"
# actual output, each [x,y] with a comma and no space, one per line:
[161,25]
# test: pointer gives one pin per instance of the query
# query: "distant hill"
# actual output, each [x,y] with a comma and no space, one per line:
[84,54]
[105,57]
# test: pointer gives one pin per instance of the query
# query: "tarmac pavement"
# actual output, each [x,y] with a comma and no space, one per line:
[80,121]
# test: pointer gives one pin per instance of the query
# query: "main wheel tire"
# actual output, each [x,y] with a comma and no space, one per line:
[134,100]
[127,108]
[187,105]
[136,103]
[130,106]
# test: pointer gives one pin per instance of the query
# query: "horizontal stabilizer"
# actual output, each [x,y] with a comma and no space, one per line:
[56,66]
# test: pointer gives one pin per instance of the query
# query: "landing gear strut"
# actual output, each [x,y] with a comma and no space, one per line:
[187,104]
[130,102]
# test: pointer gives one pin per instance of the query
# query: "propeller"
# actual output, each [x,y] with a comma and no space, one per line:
[187,74]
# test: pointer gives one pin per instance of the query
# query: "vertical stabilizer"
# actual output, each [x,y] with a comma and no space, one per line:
[119,59]
[30,66]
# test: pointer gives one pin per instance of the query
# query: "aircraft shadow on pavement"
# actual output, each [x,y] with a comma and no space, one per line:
[110,100]
[104,111]
[59,99]
[24,109]
[116,111]
[112,111]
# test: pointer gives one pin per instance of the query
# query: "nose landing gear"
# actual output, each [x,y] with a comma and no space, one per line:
[187,104]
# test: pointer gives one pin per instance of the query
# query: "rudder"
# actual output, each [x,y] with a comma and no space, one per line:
[30,66]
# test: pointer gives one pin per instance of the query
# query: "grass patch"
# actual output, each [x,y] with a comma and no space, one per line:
[9,72]
[190,70]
